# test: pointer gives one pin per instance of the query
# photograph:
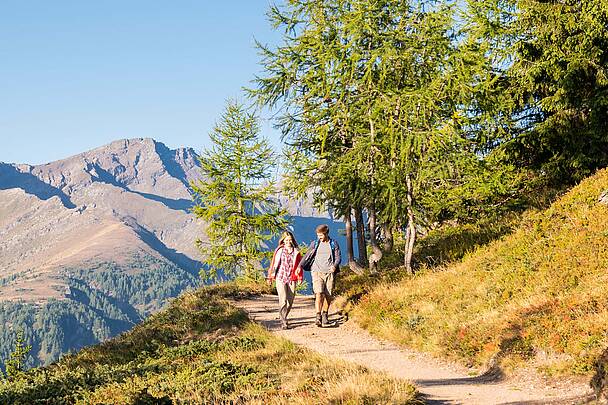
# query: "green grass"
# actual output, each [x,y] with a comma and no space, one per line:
[201,350]
[537,296]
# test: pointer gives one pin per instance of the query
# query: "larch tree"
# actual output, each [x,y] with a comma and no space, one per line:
[374,94]
[306,79]
[234,197]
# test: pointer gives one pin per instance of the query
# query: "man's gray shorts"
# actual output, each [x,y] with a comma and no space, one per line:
[322,283]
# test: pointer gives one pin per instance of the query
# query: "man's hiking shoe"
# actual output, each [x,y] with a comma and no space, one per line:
[324,319]
[318,321]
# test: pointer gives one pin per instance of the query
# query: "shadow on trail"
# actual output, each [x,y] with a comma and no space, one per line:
[491,377]
[336,318]
[578,399]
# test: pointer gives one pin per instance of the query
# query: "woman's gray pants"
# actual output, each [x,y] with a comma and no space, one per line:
[287,292]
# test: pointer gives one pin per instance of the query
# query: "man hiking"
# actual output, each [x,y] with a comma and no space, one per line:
[323,260]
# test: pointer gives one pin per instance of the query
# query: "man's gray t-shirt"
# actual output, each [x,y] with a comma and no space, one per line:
[323,262]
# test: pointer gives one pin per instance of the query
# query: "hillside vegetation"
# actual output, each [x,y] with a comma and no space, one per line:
[539,294]
[201,350]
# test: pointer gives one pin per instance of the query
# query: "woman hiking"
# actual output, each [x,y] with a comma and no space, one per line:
[285,269]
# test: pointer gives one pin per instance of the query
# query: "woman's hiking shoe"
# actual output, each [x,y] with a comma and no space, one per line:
[284,325]
[318,321]
[324,319]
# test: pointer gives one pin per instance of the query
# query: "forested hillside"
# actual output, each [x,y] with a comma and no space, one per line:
[101,301]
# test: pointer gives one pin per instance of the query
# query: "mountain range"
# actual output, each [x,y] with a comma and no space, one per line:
[92,244]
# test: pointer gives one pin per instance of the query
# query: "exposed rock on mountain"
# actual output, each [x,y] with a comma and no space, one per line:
[97,240]
[101,205]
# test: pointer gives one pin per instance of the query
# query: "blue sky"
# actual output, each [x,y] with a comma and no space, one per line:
[77,74]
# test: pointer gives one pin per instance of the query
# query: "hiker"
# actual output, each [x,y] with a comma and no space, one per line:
[323,260]
[285,269]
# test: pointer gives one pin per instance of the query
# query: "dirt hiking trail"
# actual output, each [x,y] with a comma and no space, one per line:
[439,382]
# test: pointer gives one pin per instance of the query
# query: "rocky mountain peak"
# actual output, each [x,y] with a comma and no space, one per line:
[72,212]
[139,164]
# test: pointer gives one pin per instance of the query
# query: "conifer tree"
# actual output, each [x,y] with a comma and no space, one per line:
[546,107]
[559,78]
[234,196]
[18,358]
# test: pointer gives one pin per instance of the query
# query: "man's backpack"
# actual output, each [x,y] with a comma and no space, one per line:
[309,257]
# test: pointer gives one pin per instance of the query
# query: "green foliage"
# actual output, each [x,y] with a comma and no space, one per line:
[16,363]
[560,77]
[547,106]
[234,197]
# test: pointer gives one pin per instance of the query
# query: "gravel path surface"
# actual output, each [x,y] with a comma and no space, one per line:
[440,382]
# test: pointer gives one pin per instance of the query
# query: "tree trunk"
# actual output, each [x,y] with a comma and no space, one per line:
[348,223]
[361,236]
[411,227]
[387,233]
[352,264]
[406,244]
[409,243]
[376,251]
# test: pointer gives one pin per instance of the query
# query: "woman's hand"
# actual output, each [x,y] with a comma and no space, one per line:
[269,281]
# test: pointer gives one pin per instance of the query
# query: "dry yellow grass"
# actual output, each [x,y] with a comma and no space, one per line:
[539,294]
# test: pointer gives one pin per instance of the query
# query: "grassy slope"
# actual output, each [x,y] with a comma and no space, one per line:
[540,293]
[201,350]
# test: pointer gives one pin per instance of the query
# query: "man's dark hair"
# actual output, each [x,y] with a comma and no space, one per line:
[323,229]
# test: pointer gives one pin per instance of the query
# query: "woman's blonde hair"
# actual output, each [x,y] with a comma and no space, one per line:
[285,235]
